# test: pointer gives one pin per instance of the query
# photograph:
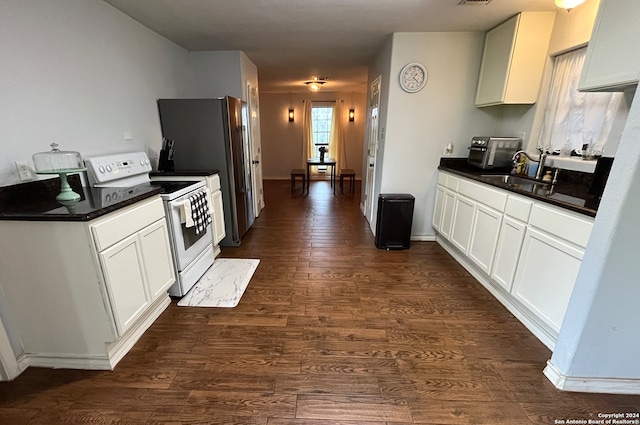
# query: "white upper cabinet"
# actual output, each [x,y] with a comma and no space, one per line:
[611,64]
[513,60]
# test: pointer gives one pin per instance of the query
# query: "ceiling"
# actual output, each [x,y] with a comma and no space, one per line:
[292,40]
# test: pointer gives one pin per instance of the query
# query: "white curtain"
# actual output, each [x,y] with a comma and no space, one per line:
[308,148]
[336,143]
[574,118]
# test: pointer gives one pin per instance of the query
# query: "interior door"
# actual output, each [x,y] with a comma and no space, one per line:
[372,148]
[253,124]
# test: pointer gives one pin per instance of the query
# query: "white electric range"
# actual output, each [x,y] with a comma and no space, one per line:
[187,215]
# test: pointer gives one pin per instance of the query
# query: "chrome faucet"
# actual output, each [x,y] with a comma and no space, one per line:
[540,160]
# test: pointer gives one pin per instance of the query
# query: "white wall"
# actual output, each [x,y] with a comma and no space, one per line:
[282,140]
[80,73]
[419,125]
[218,74]
[599,337]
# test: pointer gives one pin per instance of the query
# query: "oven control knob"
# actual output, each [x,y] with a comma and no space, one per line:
[142,162]
[109,169]
[146,162]
[101,169]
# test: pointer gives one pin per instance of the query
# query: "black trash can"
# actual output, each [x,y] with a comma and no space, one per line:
[395,215]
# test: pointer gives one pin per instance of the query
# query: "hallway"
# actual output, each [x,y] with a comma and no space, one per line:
[330,330]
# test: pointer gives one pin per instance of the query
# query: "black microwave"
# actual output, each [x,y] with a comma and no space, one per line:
[493,152]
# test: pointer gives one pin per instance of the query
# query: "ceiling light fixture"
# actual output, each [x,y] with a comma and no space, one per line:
[568,4]
[315,83]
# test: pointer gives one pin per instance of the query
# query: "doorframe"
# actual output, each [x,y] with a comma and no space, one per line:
[373,139]
[255,147]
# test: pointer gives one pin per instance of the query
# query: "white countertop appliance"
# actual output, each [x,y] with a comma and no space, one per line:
[493,152]
[188,218]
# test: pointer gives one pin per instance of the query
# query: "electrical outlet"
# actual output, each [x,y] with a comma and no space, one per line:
[448,149]
[24,171]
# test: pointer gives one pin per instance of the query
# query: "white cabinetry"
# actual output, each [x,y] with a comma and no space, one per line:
[513,60]
[91,288]
[525,252]
[610,62]
[551,257]
[516,216]
[218,216]
[484,236]
[462,222]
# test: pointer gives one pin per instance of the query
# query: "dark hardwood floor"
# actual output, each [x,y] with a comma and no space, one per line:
[330,330]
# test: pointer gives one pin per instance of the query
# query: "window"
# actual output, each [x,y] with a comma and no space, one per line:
[321,119]
[572,118]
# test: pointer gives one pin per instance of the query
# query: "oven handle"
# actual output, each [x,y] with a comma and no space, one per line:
[180,205]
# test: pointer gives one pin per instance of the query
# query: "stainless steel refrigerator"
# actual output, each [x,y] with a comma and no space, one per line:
[212,134]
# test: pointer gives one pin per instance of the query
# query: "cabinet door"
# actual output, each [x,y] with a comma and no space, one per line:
[508,252]
[545,277]
[438,208]
[125,281]
[218,217]
[462,222]
[610,64]
[484,236]
[158,261]
[447,213]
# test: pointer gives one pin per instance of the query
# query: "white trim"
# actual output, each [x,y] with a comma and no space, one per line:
[591,385]
[68,361]
[115,351]
[9,367]
[423,238]
[546,335]
[118,349]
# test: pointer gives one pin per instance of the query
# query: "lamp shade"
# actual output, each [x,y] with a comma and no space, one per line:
[291,115]
[352,114]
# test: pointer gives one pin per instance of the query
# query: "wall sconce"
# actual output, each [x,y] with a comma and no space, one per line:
[568,4]
[290,114]
[352,114]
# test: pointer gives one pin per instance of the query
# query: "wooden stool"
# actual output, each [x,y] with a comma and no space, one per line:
[298,172]
[351,175]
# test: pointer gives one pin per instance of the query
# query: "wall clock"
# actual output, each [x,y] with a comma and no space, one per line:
[413,77]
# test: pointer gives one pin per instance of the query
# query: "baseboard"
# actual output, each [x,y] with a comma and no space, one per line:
[423,238]
[68,361]
[117,350]
[114,353]
[545,335]
[591,385]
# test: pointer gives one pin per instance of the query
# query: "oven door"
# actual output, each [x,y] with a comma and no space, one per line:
[186,243]
[477,156]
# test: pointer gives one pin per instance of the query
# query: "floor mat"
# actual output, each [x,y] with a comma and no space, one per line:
[222,285]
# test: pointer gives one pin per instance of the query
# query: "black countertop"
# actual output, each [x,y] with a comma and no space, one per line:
[36,201]
[570,192]
[177,173]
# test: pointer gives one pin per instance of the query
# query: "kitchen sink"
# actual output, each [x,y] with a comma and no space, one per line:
[513,181]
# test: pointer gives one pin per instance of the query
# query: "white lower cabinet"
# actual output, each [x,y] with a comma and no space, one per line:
[463,214]
[525,252]
[219,231]
[546,273]
[91,288]
[508,252]
[484,236]
[438,208]
[447,213]
[137,270]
